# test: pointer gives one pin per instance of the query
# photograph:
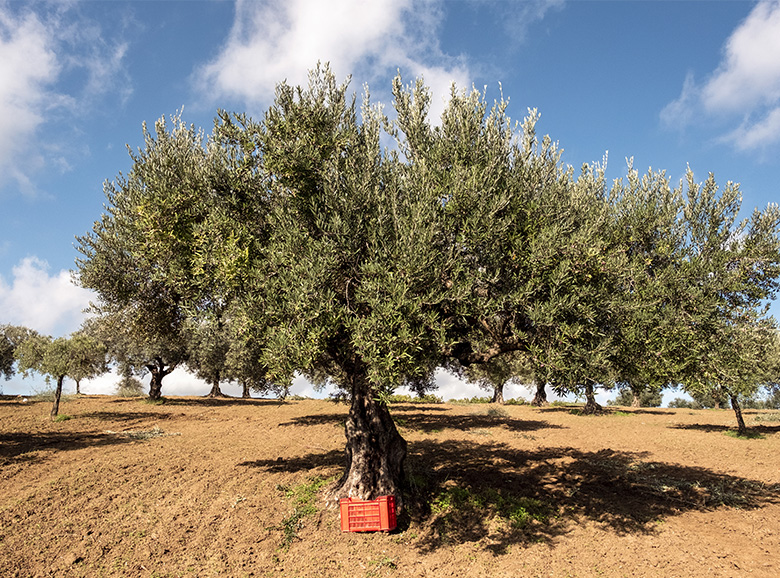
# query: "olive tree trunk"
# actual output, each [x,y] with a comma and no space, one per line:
[375,451]
[591,406]
[540,398]
[741,427]
[55,408]
[158,371]
[215,390]
[498,394]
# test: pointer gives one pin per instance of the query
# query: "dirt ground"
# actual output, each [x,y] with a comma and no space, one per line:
[199,487]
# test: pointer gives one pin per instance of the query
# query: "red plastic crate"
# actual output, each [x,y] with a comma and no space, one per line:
[368,515]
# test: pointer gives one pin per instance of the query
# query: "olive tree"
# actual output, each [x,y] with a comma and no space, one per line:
[58,358]
[142,255]
[495,374]
[733,268]
[11,337]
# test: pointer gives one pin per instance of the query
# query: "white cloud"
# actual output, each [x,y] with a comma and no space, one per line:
[50,304]
[745,88]
[43,56]
[282,39]
[520,16]
[28,67]
[755,135]
[749,75]
[681,110]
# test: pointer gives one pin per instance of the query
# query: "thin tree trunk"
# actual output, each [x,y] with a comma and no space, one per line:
[498,394]
[55,408]
[375,451]
[636,400]
[540,398]
[741,427]
[245,390]
[78,387]
[591,406]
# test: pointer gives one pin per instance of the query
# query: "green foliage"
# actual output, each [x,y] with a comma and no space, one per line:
[79,357]
[376,566]
[11,337]
[129,387]
[647,398]
[297,244]
[62,417]
[428,398]
[682,403]
[471,400]
[495,374]
[496,412]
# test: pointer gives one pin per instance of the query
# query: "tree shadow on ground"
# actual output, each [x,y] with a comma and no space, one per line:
[125,416]
[23,446]
[605,411]
[416,407]
[429,423]
[637,410]
[498,496]
[708,427]
[300,463]
[425,422]
[219,401]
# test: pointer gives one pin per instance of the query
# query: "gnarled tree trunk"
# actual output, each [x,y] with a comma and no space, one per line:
[215,390]
[540,398]
[158,371]
[375,451]
[591,406]
[636,399]
[245,390]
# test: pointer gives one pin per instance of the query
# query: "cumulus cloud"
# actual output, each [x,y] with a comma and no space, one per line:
[28,67]
[749,74]
[280,40]
[40,51]
[746,85]
[48,303]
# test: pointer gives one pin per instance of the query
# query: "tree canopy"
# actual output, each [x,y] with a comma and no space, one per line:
[299,244]
[78,357]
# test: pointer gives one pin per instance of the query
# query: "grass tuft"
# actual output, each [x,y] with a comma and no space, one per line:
[774,416]
[303,497]
[465,503]
[497,412]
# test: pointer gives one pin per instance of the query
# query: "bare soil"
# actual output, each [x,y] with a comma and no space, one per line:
[203,487]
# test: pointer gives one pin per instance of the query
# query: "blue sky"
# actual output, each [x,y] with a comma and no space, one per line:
[668,83]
